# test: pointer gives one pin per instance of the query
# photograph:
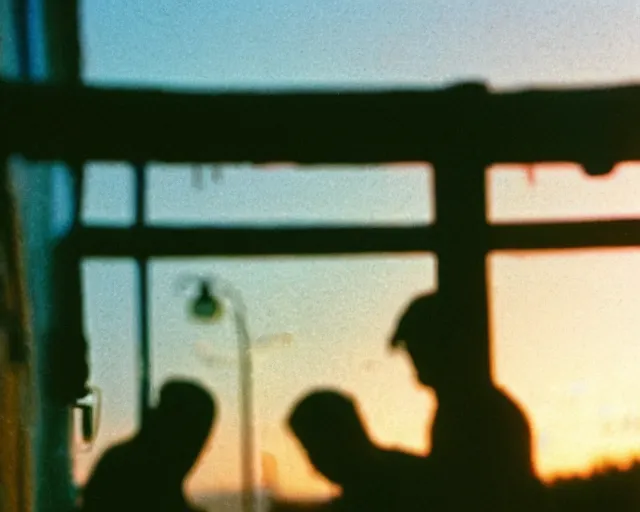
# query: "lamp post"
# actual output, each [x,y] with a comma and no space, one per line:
[208,306]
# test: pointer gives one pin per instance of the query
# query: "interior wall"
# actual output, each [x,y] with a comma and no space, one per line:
[39,43]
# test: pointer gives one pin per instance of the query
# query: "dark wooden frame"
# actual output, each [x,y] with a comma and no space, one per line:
[461,131]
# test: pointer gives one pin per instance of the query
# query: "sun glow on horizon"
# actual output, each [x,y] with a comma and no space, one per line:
[564,329]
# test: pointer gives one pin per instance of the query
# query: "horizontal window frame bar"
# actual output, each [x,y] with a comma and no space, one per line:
[158,242]
[566,235]
[165,242]
[595,127]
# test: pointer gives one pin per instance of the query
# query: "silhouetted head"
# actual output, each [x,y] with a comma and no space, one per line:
[179,426]
[422,334]
[329,427]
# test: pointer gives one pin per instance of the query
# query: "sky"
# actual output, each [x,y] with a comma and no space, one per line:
[567,319]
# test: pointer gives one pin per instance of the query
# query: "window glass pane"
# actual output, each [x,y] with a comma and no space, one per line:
[111,321]
[314,322]
[383,194]
[305,43]
[108,194]
[566,330]
[561,193]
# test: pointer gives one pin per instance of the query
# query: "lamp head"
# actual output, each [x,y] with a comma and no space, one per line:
[206,306]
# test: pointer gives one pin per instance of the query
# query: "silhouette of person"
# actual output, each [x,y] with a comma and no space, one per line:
[480,455]
[330,429]
[147,472]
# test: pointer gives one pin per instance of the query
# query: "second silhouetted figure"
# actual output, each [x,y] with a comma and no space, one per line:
[331,431]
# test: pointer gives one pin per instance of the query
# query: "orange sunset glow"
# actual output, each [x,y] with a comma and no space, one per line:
[564,328]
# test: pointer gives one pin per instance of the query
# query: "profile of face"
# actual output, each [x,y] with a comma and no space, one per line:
[329,428]
[427,361]
[420,333]
[181,425]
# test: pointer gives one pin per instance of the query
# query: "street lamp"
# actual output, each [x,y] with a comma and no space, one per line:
[209,306]
[206,306]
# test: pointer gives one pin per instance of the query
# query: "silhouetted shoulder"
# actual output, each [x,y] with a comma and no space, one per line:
[504,423]
[112,462]
[106,482]
[125,480]
[487,435]
[509,408]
